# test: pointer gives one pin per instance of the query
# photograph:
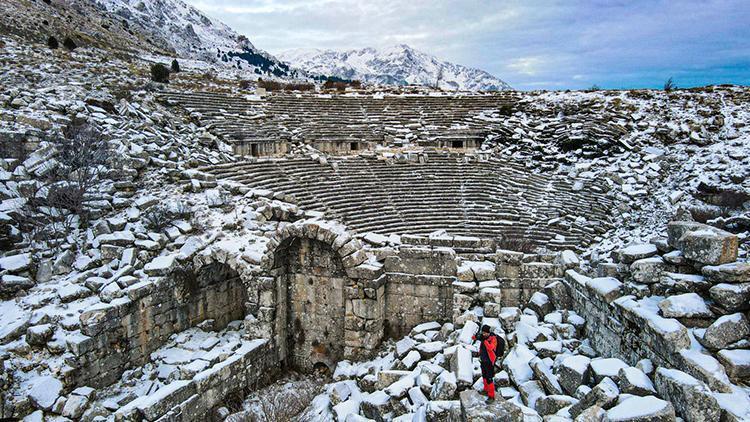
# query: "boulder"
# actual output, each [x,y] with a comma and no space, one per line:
[726,330]
[607,368]
[39,335]
[735,272]
[732,297]
[549,405]
[687,305]
[476,408]
[703,243]
[691,397]
[573,372]
[633,253]
[376,405]
[445,386]
[44,392]
[634,381]
[603,395]
[642,409]
[648,270]
[737,363]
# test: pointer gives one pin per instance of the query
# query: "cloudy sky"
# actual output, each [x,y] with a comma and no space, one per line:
[542,44]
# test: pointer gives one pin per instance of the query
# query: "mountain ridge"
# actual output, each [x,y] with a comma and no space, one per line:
[396,65]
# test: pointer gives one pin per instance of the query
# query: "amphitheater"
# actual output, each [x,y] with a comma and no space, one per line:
[368,237]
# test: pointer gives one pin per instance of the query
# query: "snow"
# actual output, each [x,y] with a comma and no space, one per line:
[467,332]
[636,407]
[685,306]
[15,263]
[608,367]
[44,391]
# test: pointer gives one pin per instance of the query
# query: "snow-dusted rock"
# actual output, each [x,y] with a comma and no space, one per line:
[642,409]
[732,297]
[603,395]
[735,272]
[691,397]
[573,372]
[44,392]
[687,305]
[634,381]
[726,330]
[633,253]
[737,363]
[475,408]
[445,386]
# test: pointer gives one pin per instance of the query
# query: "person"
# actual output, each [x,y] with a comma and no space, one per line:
[491,346]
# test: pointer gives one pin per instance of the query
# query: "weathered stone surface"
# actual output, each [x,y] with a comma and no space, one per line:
[634,253]
[735,272]
[475,408]
[44,392]
[634,381]
[691,397]
[445,386]
[702,243]
[688,305]
[732,297]
[737,363]
[573,372]
[603,395]
[642,409]
[549,405]
[726,330]
[648,270]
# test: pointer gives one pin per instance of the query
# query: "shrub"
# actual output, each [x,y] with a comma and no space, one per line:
[69,44]
[669,85]
[52,42]
[280,86]
[175,66]
[245,84]
[594,87]
[157,218]
[159,73]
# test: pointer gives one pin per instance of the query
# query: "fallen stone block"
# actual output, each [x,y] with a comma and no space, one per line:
[476,408]
[726,330]
[737,364]
[642,409]
[691,397]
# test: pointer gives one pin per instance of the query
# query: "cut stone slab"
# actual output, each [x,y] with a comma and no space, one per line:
[688,305]
[16,263]
[648,270]
[404,345]
[634,381]
[549,405]
[726,330]
[735,272]
[476,408]
[691,397]
[709,245]
[737,363]
[642,409]
[573,372]
[633,253]
[160,266]
[603,395]
[732,297]
[607,368]
[376,405]
[445,386]
[44,392]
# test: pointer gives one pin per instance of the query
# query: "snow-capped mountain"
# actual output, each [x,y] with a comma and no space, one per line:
[188,32]
[399,65]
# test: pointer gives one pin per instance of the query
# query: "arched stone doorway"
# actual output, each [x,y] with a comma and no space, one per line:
[311,280]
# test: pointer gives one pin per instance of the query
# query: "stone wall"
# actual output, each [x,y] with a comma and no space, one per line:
[259,149]
[123,333]
[251,366]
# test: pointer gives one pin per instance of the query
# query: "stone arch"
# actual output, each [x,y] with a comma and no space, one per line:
[312,275]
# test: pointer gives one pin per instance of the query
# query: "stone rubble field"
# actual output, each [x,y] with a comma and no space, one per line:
[685,283]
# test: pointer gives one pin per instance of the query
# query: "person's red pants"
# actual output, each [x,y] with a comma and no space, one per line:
[489,388]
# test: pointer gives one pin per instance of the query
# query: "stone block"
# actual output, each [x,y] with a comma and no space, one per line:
[691,397]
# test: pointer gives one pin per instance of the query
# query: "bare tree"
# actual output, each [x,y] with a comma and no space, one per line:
[439,77]
[56,203]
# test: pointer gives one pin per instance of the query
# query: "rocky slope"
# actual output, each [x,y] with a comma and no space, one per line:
[163,27]
[397,65]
